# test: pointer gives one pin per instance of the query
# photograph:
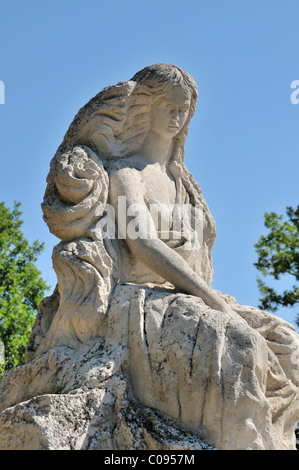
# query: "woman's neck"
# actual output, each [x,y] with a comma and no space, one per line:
[157,149]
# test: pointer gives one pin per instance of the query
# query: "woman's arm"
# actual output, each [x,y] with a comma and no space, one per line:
[152,251]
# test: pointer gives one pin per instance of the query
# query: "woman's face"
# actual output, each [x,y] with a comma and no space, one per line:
[170,113]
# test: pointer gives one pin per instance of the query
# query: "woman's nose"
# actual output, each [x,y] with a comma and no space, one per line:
[175,114]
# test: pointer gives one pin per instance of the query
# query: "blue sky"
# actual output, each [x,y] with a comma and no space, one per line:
[243,142]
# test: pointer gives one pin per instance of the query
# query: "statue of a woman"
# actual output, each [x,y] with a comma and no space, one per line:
[220,370]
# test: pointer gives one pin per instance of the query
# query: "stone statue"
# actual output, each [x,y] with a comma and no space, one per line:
[133,322]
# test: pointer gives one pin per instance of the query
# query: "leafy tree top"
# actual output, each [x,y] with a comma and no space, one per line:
[278,255]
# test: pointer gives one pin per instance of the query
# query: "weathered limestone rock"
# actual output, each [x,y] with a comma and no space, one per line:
[74,401]
[103,418]
[134,349]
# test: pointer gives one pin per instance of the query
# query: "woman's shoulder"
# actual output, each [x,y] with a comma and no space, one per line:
[124,177]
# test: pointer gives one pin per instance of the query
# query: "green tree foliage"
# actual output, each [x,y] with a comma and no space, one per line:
[21,287]
[278,255]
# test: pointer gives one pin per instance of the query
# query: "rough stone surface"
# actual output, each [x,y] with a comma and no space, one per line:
[86,404]
[134,349]
[99,419]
